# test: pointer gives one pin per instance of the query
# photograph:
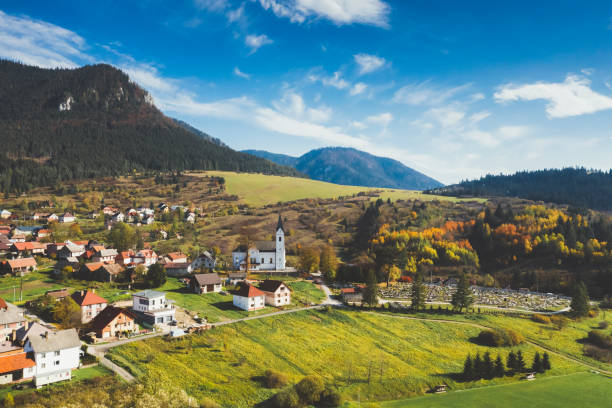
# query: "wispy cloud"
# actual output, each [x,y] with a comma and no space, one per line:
[212,5]
[426,93]
[254,42]
[571,97]
[335,80]
[358,88]
[369,63]
[340,12]
[241,74]
[40,43]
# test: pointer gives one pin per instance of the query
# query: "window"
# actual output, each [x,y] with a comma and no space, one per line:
[270,260]
[56,362]
[263,261]
[42,355]
[43,365]
[280,239]
[57,353]
[143,301]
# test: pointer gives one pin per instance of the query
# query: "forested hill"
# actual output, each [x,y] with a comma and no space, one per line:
[61,124]
[353,167]
[578,187]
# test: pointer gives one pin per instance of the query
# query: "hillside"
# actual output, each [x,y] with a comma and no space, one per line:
[93,121]
[198,132]
[354,168]
[578,187]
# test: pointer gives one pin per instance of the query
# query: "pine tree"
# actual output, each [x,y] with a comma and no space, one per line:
[418,292]
[487,366]
[468,369]
[520,362]
[545,362]
[580,300]
[537,363]
[499,369]
[511,363]
[462,298]
[478,369]
[370,294]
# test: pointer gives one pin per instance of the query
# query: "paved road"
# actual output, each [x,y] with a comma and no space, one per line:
[329,300]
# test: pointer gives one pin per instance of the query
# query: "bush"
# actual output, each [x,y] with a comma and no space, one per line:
[600,339]
[539,318]
[310,389]
[598,353]
[330,397]
[559,321]
[287,399]
[593,313]
[500,338]
[604,325]
[275,379]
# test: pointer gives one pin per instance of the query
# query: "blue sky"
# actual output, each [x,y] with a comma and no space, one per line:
[453,89]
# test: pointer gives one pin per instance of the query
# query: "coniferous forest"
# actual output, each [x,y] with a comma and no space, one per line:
[62,124]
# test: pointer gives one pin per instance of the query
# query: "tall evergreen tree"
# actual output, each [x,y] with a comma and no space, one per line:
[511,363]
[520,362]
[462,298]
[478,367]
[499,369]
[580,300]
[468,369]
[546,362]
[487,366]
[370,294]
[537,363]
[418,292]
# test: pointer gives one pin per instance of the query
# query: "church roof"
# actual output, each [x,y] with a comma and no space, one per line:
[279,226]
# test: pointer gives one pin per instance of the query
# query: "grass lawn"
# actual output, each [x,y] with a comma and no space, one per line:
[226,363]
[216,307]
[575,390]
[259,189]
[35,283]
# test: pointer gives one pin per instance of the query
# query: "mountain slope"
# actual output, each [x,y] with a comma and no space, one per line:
[198,132]
[352,167]
[574,186]
[93,121]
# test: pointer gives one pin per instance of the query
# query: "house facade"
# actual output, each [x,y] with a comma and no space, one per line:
[11,318]
[263,255]
[90,303]
[56,354]
[15,365]
[20,265]
[205,260]
[277,293]
[114,322]
[249,298]
[205,283]
[153,307]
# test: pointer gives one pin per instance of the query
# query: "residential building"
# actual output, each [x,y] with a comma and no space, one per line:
[16,365]
[153,307]
[66,218]
[234,278]
[114,322]
[178,268]
[90,303]
[20,265]
[27,248]
[56,354]
[105,255]
[11,318]
[263,255]
[176,257]
[206,260]
[71,249]
[249,298]
[31,328]
[277,293]
[107,272]
[62,263]
[205,283]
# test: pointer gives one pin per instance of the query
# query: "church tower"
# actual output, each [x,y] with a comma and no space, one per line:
[280,244]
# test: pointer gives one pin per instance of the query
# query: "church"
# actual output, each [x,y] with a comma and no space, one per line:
[263,255]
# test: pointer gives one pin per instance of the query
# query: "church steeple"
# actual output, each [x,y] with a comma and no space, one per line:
[279,226]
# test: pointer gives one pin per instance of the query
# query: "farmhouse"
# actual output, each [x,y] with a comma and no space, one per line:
[11,318]
[114,322]
[58,294]
[105,255]
[262,255]
[153,307]
[277,293]
[178,268]
[20,265]
[233,278]
[249,298]
[16,365]
[90,303]
[29,329]
[205,283]
[205,260]
[176,257]
[107,272]
[56,354]
[66,218]
[71,249]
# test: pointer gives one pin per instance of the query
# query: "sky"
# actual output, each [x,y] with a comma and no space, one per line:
[454,89]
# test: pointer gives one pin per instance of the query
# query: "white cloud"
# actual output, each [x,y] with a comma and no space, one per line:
[148,77]
[369,63]
[358,125]
[446,116]
[477,97]
[358,88]
[39,43]
[572,97]
[336,81]
[382,119]
[340,12]
[292,104]
[513,132]
[211,5]
[236,14]
[425,93]
[241,74]
[256,41]
[479,116]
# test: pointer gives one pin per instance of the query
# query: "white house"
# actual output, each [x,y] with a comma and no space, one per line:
[249,298]
[90,303]
[56,354]
[118,217]
[66,217]
[205,260]
[277,293]
[263,255]
[153,307]
[105,255]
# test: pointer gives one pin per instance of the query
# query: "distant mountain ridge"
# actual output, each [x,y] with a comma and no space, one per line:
[348,166]
[578,187]
[93,121]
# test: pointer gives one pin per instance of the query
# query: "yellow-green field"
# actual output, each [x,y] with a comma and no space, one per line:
[259,189]
[226,363]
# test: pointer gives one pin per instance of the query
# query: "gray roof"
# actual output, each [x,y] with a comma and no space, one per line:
[267,246]
[207,279]
[54,341]
[107,252]
[74,248]
[149,294]
[31,329]
[11,314]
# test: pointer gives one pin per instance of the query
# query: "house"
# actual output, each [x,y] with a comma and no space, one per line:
[15,365]
[87,270]
[117,217]
[146,257]
[263,255]
[31,328]
[90,304]
[58,294]
[71,250]
[176,257]
[93,215]
[20,265]
[17,236]
[148,220]
[205,283]
[153,307]
[4,214]
[43,233]
[71,262]
[351,295]
[56,354]
[54,248]
[105,255]
[11,318]
[109,210]
[249,298]
[52,218]
[277,293]
[114,322]
[190,218]
[27,248]
[178,268]
[233,278]
[66,217]
[107,272]
[205,260]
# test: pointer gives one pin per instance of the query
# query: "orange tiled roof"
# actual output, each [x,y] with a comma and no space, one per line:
[87,298]
[21,262]
[14,362]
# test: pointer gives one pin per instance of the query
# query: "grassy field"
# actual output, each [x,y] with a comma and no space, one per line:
[576,390]
[258,189]
[226,363]
[217,307]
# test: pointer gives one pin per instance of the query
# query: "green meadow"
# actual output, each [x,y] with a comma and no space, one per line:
[369,357]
